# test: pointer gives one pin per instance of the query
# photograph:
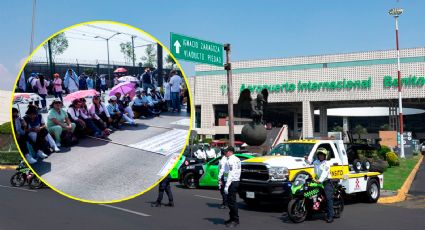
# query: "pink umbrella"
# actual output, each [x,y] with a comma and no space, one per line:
[120,70]
[81,94]
[124,88]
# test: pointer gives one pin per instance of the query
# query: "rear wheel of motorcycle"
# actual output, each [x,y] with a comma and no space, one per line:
[338,207]
[297,212]
[17,180]
[35,183]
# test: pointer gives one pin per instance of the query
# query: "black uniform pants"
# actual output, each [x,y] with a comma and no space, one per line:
[223,194]
[165,186]
[231,199]
[329,193]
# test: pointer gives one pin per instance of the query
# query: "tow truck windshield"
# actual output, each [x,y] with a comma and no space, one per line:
[291,149]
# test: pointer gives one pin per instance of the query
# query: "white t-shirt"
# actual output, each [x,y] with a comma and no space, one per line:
[167,91]
[175,83]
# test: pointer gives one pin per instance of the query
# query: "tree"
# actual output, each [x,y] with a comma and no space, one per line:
[385,127]
[337,129]
[359,130]
[170,62]
[150,56]
[58,44]
[127,50]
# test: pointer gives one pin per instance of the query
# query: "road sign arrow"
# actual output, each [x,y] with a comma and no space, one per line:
[177,45]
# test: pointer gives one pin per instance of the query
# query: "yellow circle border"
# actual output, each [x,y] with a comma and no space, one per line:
[164,48]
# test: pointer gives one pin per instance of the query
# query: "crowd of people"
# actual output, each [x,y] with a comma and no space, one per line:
[172,92]
[64,126]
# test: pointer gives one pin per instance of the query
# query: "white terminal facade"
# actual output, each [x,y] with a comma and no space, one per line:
[299,85]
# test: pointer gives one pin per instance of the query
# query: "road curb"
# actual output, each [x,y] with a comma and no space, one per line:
[402,192]
[8,167]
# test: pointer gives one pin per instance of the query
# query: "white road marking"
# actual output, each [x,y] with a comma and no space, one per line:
[23,189]
[126,210]
[207,197]
[165,143]
[183,122]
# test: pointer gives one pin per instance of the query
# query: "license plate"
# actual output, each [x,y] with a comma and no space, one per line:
[250,195]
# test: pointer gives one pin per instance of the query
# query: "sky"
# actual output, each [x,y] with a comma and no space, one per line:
[255,29]
[83,38]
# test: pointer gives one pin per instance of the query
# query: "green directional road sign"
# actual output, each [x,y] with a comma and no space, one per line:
[196,50]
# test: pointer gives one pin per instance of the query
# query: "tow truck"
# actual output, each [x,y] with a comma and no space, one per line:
[269,178]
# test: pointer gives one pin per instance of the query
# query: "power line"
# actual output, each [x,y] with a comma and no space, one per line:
[115,31]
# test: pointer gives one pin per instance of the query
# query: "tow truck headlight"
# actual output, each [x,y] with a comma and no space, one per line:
[278,173]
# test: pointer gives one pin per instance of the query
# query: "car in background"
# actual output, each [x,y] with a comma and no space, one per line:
[204,174]
[423,147]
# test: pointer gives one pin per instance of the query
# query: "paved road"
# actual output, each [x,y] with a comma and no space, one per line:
[195,209]
[416,197]
[129,163]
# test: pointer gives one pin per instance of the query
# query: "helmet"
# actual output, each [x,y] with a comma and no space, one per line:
[322,151]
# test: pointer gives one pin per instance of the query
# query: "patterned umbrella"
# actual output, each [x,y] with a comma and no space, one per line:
[81,94]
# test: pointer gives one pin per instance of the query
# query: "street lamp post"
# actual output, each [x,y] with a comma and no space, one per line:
[396,12]
[107,50]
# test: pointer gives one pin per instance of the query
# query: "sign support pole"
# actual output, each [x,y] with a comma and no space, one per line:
[228,68]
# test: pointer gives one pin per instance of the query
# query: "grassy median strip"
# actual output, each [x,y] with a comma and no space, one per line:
[10,158]
[395,176]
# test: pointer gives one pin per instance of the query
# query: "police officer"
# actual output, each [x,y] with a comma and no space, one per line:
[222,179]
[231,186]
[164,186]
[322,169]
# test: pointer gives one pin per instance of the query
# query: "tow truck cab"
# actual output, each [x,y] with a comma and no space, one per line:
[269,178]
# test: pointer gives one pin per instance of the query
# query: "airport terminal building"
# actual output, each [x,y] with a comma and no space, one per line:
[298,86]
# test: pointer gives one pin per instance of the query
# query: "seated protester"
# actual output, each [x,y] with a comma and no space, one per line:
[158,99]
[75,117]
[116,114]
[124,105]
[19,126]
[100,113]
[58,121]
[96,130]
[37,131]
[142,104]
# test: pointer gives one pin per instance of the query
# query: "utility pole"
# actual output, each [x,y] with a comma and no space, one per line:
[132,45]
[159,63]
[49,45]
[34,3]
[228,68]
[396,12]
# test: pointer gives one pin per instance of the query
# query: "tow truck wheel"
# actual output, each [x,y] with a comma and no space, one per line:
[372,191]
[189,180]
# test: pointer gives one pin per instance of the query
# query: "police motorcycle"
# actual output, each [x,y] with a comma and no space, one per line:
[24,174]
[308,197]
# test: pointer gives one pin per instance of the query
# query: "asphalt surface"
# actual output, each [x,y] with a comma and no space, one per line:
[21,208]
[416,197]
[126,164]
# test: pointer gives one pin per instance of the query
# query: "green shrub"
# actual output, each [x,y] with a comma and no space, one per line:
[392,159]
[382,152]
[416,153]
[6,128]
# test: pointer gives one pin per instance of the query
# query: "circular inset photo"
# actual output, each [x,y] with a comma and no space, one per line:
[101,112]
